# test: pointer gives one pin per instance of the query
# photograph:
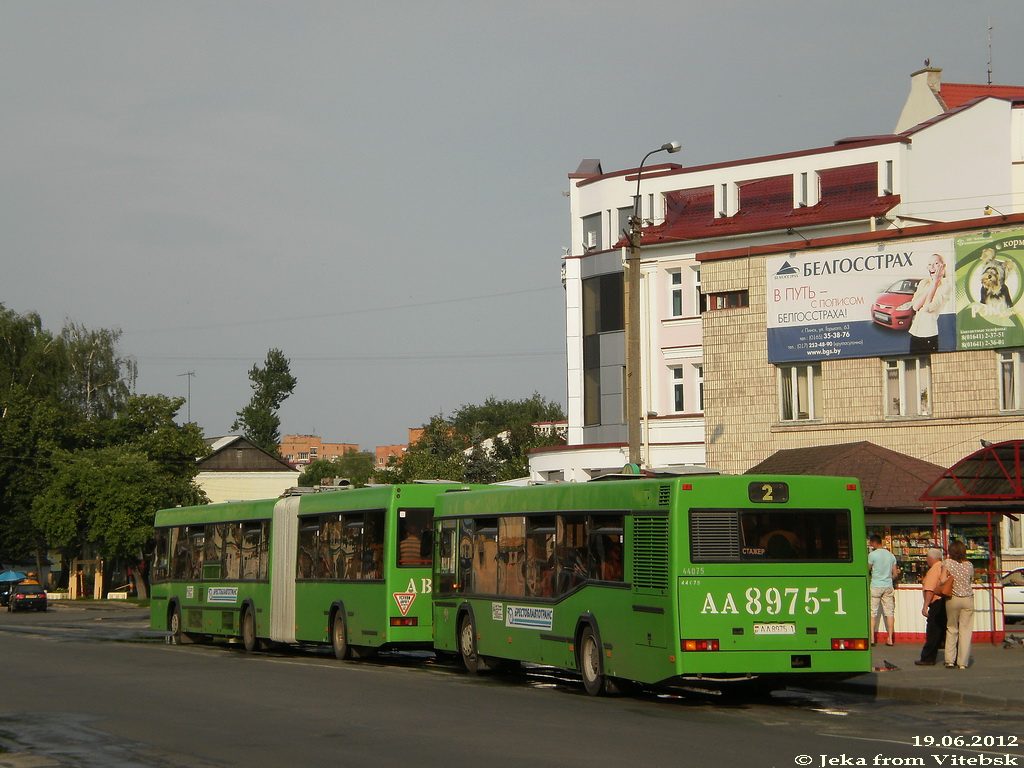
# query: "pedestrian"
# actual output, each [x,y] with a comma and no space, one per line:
[883,569]
[934,609]
[960,607]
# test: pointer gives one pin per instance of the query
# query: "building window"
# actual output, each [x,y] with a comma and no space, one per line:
[603,312]
[727,300]
[699,373]
[1009,380]
[313,450]
[908,387]
[678,388]
[603,304]
[592,232]
[698,300]
[303,456]
[800,392]
[676,282]
[623,216]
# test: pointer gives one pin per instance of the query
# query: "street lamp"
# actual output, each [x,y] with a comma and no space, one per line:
[632,299]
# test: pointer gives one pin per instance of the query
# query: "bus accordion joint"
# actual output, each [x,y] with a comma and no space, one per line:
[698,645]
[849,643]
[404,621]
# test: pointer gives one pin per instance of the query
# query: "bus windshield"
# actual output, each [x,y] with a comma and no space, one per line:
[759,535]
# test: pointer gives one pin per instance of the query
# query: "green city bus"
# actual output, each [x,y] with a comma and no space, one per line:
[659,582]
[348,568]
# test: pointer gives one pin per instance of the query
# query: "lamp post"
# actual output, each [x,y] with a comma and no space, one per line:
[632,299]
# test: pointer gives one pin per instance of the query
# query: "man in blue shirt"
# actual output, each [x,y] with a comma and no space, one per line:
[882,566]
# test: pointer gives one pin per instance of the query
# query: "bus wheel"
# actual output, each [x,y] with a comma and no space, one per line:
[590,663]
[249,641]
[178,635]
[339,636]
[467,645]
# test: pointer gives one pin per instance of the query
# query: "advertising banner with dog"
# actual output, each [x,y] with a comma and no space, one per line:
[989,270]
[868,301]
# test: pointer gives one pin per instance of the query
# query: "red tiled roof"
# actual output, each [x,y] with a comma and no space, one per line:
[847,193]
[889,480]
[954,95]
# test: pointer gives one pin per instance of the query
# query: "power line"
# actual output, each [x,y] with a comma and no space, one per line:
[370,359]
[276,320]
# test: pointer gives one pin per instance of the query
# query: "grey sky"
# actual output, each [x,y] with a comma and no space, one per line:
[376,188]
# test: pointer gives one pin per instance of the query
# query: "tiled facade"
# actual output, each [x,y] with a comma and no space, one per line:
[742,392]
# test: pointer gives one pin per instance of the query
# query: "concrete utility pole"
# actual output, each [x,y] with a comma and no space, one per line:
[634,394]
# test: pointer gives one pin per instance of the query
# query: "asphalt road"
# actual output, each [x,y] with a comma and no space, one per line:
[95,688]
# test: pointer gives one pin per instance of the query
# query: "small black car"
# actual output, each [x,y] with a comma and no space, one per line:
[27,596]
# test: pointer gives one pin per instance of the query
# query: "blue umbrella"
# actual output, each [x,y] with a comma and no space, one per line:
[11,576]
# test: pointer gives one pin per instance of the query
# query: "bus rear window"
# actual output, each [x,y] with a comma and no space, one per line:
[760,535]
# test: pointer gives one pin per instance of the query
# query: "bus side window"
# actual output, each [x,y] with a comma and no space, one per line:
[330,546]
[485,557]
[605,551]
[539,568]
[232,550]
[373,545]
[447,556]
[571,553]
[250,554]
[352,546]
[309,534]
[511,556]
[160,554]
[414,537]
[465,574]
[213,551]
[195,538]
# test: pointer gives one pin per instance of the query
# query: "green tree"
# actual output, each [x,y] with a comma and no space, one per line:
[271,384]
[99,379]
[357,467]
[437,455]
[82,459]
[36,418]
[502,433]
[480,443]
[106,496]
[480,422]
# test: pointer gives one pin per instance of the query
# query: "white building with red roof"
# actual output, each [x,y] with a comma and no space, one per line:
[955,161]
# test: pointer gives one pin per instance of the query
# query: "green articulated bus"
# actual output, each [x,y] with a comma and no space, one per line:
[346,568]
[660,582]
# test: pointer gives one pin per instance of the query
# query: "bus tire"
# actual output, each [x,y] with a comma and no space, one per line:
[249,640]
[178,634]
[339,636]
[590,663]
[467,645]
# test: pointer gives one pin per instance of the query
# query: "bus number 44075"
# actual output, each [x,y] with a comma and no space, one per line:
[776,602]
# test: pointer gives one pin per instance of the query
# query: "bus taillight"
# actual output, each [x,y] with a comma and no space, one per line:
[698,645]
[849,643]
[404,621]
